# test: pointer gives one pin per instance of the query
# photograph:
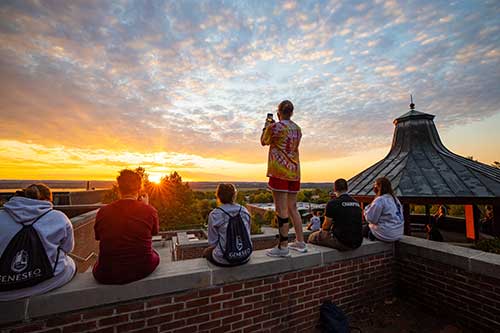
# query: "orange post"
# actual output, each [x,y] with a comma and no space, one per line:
[469,222]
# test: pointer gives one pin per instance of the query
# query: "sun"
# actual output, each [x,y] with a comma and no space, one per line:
[155,177]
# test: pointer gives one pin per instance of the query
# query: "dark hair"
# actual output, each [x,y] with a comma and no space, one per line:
[384,184]
[38,191]
[225,193]
[340,185]
[129,181]
[286,108]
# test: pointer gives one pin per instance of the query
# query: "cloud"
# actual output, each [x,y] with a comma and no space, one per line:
[197,78]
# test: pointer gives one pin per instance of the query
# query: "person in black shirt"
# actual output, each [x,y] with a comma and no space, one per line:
[341,229]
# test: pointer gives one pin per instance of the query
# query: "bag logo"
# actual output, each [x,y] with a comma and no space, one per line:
[239,243]
[20,261]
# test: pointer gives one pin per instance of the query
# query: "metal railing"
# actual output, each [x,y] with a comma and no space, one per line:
[82,259]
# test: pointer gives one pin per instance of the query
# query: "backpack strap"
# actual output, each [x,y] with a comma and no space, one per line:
[239,212]
[36,220]
[224,211]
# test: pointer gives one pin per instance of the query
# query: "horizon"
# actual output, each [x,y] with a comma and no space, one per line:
[88,89]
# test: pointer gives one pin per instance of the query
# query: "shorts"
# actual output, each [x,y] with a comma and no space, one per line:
[282,185]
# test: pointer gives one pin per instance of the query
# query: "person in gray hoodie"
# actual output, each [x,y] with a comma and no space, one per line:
[385,214]
[54,230]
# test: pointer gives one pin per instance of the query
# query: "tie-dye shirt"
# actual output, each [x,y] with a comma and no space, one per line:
[284,139]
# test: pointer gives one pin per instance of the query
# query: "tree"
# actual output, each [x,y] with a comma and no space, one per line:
[204,207]
[261,197]
[256,222]
[269,216]
[175,203]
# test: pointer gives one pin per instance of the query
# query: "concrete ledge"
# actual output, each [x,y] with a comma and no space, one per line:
[84,292]
[84,218]
[470,260]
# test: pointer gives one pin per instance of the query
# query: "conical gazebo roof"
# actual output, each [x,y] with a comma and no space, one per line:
[420,166]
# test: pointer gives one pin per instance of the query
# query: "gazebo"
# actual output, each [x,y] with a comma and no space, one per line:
[424,172]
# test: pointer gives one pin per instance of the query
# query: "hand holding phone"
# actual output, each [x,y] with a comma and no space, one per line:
[269,120]
[144,198]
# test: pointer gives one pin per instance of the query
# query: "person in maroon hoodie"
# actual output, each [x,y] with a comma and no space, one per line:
[125,229]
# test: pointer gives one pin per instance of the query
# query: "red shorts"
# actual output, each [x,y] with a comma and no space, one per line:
[282,185]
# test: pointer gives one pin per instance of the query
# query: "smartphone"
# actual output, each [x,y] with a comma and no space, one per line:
[269,117]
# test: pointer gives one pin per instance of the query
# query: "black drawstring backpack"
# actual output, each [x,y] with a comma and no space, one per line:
[24,262]
[238,245]
[332,319]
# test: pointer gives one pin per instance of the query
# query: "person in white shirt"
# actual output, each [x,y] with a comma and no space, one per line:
[33,206]
[385,214]
[315,222]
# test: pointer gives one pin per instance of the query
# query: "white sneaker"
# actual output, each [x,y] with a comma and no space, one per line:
[298,246]
[278,252]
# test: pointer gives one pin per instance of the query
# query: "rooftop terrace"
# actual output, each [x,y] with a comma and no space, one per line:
[274,294]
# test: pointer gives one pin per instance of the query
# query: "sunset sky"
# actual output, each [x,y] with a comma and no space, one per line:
[90,87]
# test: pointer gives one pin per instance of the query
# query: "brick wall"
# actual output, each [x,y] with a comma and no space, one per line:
[472,299]
[284,302]
[460,283]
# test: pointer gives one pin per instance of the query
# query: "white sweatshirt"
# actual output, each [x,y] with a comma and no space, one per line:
[385,218]
[54,229]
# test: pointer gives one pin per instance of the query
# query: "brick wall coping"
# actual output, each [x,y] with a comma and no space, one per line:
[84,292]
[84,218]
[268,233]
[469,260]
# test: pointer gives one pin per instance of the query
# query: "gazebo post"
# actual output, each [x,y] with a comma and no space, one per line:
[406,216]
[428,213]
[477,219]
[472,215]
[496,218]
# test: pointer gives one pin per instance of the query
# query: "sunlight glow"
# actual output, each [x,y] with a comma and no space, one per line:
[155,177]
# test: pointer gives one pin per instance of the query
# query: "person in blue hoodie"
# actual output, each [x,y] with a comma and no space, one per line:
[54,229]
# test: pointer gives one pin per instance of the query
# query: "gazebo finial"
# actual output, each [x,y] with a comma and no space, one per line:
[412,105]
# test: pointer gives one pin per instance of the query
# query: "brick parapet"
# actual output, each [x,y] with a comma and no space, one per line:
[273,294]
[284,302]
[265,294]
[451,281]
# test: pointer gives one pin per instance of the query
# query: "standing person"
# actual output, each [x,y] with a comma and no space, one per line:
[436,222]
[34,243]
[342,228]
[283,170]
[315,222]
[385,214]
[228,212]
[125,229]
[487,222]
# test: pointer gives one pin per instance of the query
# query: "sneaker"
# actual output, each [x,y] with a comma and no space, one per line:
[277,252]
[298,246]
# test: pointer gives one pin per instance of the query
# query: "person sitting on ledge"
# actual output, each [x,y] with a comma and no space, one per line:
[34,242]
[125,229]
[342,228]
[385,214]
[315,222]
[228,230]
